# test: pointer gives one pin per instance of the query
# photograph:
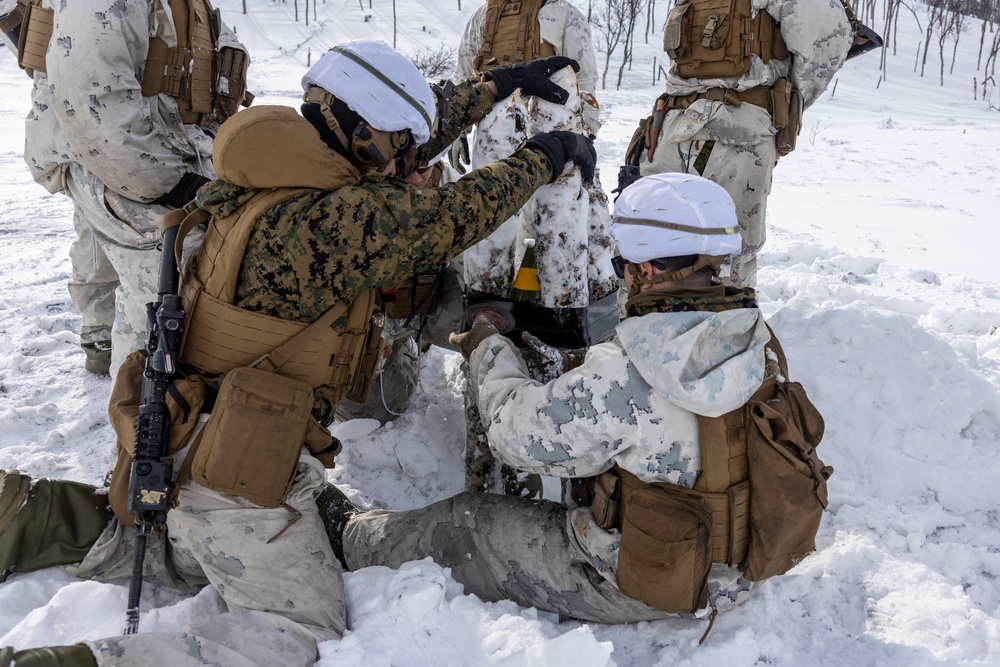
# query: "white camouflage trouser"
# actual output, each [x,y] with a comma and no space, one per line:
[741,161]
[499,548]
[283,597]
[115,263]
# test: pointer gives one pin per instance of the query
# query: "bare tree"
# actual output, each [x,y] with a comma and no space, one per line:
[435,63]
[610,27]
[632,10]
[936,8]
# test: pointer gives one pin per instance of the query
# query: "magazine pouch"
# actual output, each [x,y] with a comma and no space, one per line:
[250,446]
[787,480]
[666,549]
[789,132]
[606,496]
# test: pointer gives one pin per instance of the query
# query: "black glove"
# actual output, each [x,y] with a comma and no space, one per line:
[532,77]
[183,192]
[563,147]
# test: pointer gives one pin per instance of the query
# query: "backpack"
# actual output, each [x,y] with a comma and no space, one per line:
[757,503]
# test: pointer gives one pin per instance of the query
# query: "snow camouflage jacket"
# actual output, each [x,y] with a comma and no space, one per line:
[817,34]
[561,25]
[89,108]
[632,402]
[323,246]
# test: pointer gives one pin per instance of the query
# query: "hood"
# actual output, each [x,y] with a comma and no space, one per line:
[271,147]
[708,363]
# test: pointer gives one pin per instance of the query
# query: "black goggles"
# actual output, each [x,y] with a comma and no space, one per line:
[619,262]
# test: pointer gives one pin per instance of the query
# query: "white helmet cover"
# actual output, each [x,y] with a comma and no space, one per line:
[379,84]
[671,215]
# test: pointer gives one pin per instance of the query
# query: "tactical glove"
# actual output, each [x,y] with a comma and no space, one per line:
[467,342]
[459,154]
[532,77]
[562,147]
[555,361]
[183,192]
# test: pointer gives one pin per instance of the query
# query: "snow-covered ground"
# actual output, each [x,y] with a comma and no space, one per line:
[880,276]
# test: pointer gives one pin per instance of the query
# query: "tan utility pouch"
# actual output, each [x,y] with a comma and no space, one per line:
[789,131]
[787,481]
[607,493]
[250,446]
[414,297]
[185,398]
[666,550]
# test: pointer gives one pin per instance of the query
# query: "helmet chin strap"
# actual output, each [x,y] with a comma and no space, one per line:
[369,147]
[325,101]
[638,280]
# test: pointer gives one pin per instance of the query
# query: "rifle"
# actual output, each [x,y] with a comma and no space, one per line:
[150,487]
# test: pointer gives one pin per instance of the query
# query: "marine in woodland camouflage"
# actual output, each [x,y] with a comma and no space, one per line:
[321,247]
[818,35]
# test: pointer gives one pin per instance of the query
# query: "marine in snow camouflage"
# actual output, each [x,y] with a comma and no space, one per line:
[632,403]
[91,135]
[818,36]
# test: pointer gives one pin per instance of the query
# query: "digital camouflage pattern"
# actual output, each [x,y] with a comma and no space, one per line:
[91,133]
[818,35]
[561,25]
[324,246]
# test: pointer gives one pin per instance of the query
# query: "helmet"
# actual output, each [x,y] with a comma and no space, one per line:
[396,106]
[674,215]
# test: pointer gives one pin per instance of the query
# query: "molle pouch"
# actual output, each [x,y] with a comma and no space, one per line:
[787,481]
[676,31]
[788,134]
[368,368]
[231,82]
[33,40]
[250,446]
[780,103]
[666,551]
[416,296]
[607,495]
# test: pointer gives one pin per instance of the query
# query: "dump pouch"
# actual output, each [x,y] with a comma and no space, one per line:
[666,551]
[787,481]
[251,445]
[186,397]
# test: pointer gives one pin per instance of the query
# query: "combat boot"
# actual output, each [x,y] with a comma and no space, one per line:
[47,522]
[77,655]
[336,510]
[98,356]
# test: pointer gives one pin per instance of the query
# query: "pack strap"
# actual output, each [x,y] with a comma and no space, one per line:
[186,218]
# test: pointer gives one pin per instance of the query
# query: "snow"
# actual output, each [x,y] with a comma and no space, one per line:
[879,275]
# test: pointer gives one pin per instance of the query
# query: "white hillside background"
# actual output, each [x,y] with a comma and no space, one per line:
[880,276]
